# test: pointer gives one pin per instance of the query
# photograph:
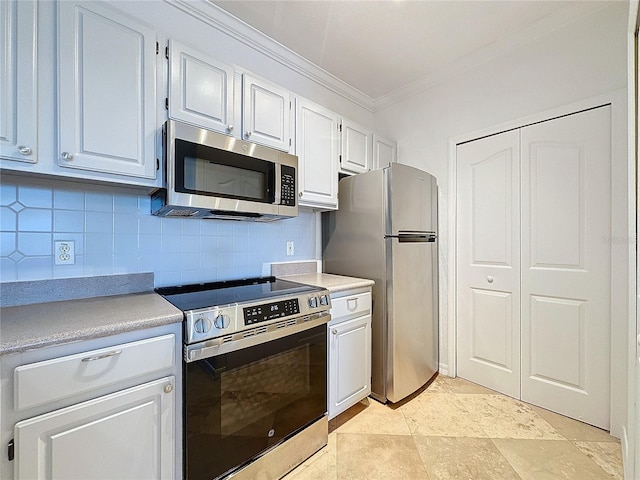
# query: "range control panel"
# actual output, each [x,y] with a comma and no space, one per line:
[270,311]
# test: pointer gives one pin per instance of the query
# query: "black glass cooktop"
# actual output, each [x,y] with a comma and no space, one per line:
[214,294]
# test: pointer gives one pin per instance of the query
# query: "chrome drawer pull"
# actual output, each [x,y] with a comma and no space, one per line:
[104,355]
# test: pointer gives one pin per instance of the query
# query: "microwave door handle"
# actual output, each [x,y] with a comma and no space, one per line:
[278,185]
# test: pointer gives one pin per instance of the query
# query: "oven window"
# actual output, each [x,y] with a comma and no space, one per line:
[215,172]
[242,403]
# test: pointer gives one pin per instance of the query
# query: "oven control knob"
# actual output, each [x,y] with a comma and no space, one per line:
[222,321]
[324,300]
[202,325]
[313,302]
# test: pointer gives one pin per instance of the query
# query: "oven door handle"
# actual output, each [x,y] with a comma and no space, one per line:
[218,346]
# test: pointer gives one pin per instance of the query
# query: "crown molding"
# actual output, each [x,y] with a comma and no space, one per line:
[545,26]
[220,19]
[235,28]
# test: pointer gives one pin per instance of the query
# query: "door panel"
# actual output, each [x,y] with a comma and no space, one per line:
[413,199]
[491,326]
[125,435]
[413,321]
[557,340]
[107,116]
[200,89]
[317,150]
[488,266]
[566,264]
[265,113]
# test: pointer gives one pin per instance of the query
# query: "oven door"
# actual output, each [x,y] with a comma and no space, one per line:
[243,402]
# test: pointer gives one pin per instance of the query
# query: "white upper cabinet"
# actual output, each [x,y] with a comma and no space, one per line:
[18,96]
[200,89]
[265,113]
[317,151]
[356,148]
[106,91]
[385,152]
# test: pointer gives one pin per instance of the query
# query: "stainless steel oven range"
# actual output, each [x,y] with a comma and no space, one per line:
[255,376]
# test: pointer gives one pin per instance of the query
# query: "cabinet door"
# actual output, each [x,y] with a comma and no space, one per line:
[200,89]
[127,435]
[265,113]
[317,150]
[106,91]
[18,95]
[355,156]
[349,363]
[385,152]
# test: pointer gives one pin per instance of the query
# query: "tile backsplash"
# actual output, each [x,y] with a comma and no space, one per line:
[115,233]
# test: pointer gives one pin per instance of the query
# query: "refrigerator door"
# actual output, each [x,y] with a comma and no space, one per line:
[412,312]
[412,200]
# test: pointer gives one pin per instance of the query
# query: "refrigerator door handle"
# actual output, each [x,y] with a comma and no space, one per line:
[414,237]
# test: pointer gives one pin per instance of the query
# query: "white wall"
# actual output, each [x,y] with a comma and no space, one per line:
[583,59]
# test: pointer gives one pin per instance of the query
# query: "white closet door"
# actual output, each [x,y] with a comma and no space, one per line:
[566,265]
[488,266]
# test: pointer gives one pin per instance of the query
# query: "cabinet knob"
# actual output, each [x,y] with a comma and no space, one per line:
[67,156]
[300,194]
[490,279]
[230,128]
[168,388]
[247,134]
[24,150]
[334,331]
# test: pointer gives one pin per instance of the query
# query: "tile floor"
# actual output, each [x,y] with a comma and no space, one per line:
[455,429]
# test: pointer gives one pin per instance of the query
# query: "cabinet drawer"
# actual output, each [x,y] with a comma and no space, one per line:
[350,305]
[43,382]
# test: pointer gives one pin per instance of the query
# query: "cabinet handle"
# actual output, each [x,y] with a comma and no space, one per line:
[230,128]
[355,303]
[248,134]
[490,279]
[24,150]
[334,331]
[67,156]
[300,194]
[104,355]
[168,388]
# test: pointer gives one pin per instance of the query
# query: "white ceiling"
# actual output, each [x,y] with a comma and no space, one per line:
[381,46]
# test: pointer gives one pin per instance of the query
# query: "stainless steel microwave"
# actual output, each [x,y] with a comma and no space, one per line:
[210,175]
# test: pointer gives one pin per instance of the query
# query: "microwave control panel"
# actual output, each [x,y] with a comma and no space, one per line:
[288,186]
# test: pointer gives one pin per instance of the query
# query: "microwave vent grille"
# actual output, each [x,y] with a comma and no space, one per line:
[181,212]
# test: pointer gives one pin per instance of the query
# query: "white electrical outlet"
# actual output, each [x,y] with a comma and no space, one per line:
[65,252]
[289,249]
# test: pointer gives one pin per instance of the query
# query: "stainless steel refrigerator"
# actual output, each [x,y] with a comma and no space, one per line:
[385,230]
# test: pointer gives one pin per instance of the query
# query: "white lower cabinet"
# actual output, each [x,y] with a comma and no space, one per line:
[125,435]
[101,409]
[349,350]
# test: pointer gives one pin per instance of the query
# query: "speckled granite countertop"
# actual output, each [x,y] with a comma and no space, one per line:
[333,283]
[45,324]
